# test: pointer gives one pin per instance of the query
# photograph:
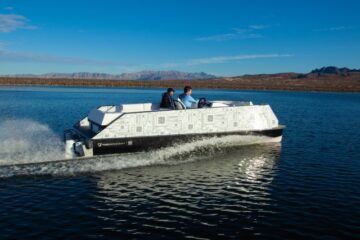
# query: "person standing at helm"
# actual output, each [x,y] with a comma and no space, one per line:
[167,100]
[186,97]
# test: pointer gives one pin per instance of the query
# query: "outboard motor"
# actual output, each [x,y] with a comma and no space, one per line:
[75,146]
[69,144]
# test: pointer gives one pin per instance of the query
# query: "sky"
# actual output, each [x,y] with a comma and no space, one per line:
[221,37]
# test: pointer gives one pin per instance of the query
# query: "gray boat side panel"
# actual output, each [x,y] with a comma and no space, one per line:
[191,121]
[122,145]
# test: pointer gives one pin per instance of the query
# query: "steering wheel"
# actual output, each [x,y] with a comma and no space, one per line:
[202,102]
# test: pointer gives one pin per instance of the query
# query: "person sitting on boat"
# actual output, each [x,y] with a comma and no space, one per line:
[187,99]
[167,100]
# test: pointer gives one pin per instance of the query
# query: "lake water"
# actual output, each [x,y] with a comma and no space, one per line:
[306,188]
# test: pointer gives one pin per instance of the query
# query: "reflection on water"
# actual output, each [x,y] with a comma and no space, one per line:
[201,194]
[256,167]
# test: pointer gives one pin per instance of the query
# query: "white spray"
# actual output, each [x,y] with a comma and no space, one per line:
[27,141]
[40,159]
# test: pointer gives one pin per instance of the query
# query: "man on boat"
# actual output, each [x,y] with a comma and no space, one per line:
[187,99]
[167,100]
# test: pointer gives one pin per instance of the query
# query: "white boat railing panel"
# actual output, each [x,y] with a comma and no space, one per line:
[192,121]
[105,115]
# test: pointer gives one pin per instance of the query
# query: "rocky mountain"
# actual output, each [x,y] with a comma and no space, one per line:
[164,75]
[334,70]
[323,79]
[143,75]
[328,72]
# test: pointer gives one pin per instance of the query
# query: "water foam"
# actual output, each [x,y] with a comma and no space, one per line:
[27,141]
[176,154]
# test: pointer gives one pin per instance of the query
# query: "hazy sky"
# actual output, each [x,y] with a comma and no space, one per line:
[220,37]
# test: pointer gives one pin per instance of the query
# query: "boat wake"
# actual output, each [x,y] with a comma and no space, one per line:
[27,141]
[30,148]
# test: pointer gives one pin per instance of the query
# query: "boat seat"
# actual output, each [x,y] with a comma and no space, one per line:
[179,105]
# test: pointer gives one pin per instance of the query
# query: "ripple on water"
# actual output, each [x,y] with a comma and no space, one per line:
[309,191]
[200,195]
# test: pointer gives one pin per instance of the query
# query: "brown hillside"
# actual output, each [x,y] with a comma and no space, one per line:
[283,81]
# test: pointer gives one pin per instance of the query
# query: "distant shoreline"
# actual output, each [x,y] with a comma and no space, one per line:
[265,82]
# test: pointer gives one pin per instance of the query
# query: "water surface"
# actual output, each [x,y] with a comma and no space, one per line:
[306,188]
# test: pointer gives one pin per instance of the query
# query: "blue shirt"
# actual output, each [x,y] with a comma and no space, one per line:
[187,100]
